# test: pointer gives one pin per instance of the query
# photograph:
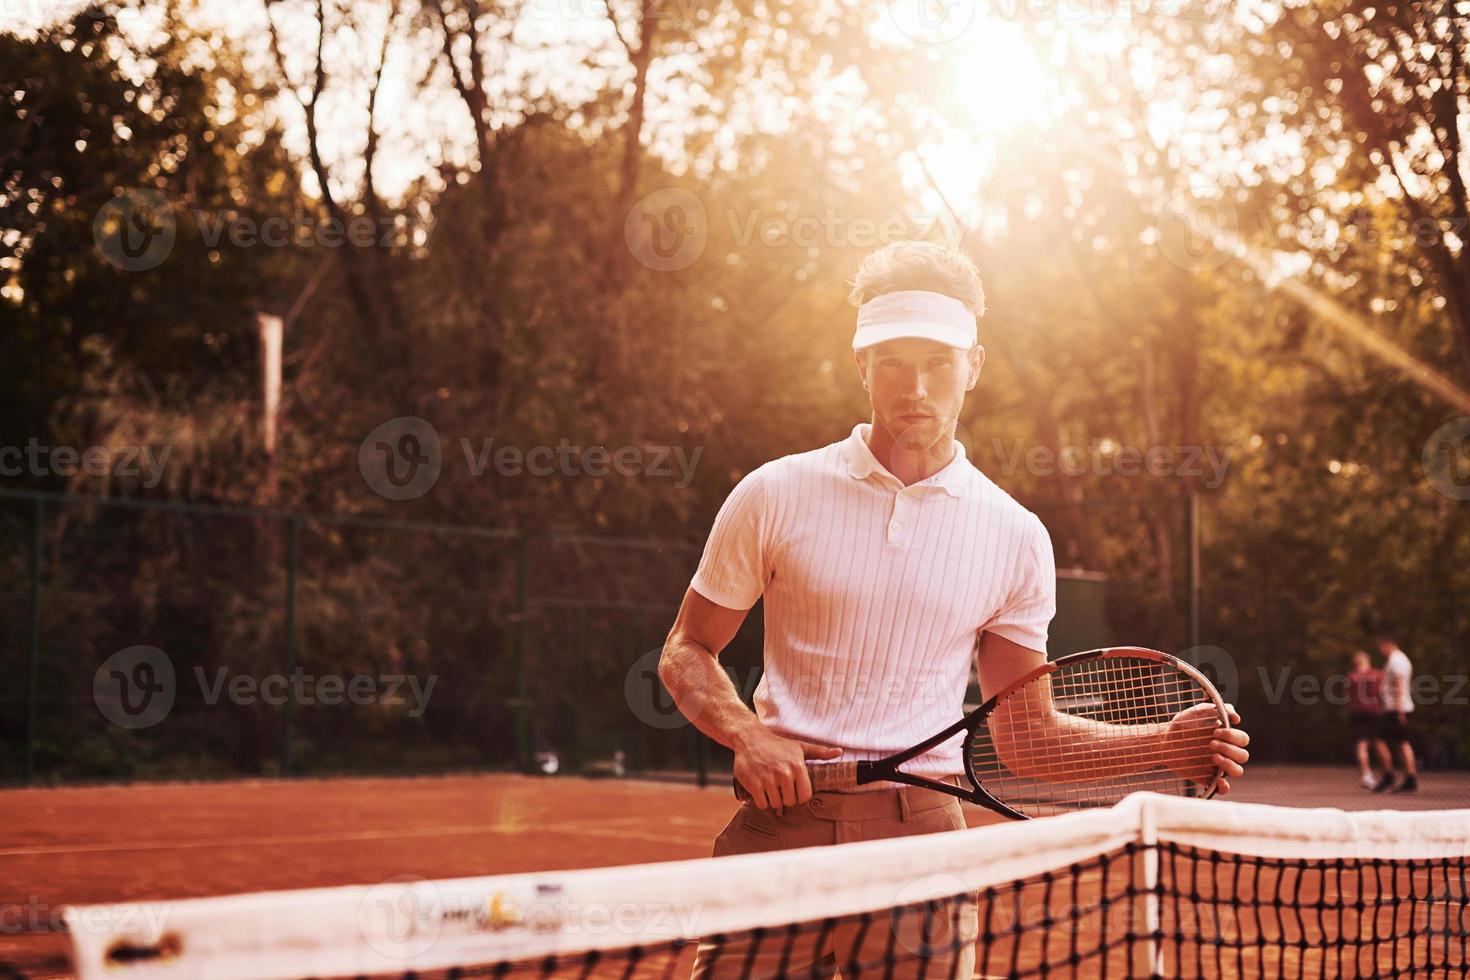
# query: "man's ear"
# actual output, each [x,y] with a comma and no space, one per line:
[976,355]
[860,358]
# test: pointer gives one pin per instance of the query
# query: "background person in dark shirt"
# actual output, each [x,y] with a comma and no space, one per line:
[1364,698]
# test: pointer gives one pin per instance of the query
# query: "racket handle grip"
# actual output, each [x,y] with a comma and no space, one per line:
[832,775]
[824,776]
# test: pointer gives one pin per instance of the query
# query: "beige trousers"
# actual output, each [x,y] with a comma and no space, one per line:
[937,941]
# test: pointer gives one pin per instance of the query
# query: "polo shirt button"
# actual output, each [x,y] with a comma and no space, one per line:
[895,526]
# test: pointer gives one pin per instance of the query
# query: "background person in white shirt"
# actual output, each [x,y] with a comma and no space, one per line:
[1398,704]
[881,558]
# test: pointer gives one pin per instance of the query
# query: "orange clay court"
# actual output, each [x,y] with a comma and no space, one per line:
[174,840]
[177,840]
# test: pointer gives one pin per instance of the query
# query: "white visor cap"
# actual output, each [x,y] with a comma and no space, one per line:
[915,313]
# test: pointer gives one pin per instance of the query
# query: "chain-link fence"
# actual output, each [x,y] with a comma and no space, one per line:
[160,639]
[169,640]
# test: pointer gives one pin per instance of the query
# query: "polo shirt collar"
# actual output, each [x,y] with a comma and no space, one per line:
[861,463]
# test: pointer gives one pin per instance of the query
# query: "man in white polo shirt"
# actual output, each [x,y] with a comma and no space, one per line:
[882,560]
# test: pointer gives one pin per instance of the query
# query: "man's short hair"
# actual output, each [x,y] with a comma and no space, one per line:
[1387,638]
[919,265]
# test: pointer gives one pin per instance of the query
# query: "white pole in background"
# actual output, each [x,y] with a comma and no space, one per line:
[271,328]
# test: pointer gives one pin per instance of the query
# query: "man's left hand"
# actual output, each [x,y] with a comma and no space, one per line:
[1224,748]
[1229,751]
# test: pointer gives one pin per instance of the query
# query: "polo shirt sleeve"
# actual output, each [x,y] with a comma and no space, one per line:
[735,567]
[1032,602]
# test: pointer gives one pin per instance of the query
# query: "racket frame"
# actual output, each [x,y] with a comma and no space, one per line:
[886,769]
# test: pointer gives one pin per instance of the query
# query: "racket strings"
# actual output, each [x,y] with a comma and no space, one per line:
[1107,693]
[1117,730]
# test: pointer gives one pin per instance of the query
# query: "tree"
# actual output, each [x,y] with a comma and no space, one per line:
[90,136]
[1378,95]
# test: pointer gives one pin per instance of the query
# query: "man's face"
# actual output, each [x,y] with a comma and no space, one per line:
[917,388]
[1385,647]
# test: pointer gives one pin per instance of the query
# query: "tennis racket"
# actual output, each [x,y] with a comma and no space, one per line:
[1081,731]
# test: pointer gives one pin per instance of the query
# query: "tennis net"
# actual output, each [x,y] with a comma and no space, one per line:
[1155,886]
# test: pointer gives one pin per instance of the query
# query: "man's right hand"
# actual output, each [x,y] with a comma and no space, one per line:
[773,769]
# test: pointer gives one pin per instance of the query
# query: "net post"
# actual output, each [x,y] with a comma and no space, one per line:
[288,626]
[33,635]
[1146,952]
[577,735]
[518,651]
[1194,568]
[635,650]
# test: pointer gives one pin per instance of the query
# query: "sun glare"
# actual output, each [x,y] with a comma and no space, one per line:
[994,84]
[997,78]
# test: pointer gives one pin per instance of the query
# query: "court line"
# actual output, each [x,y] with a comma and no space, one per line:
[362,835]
